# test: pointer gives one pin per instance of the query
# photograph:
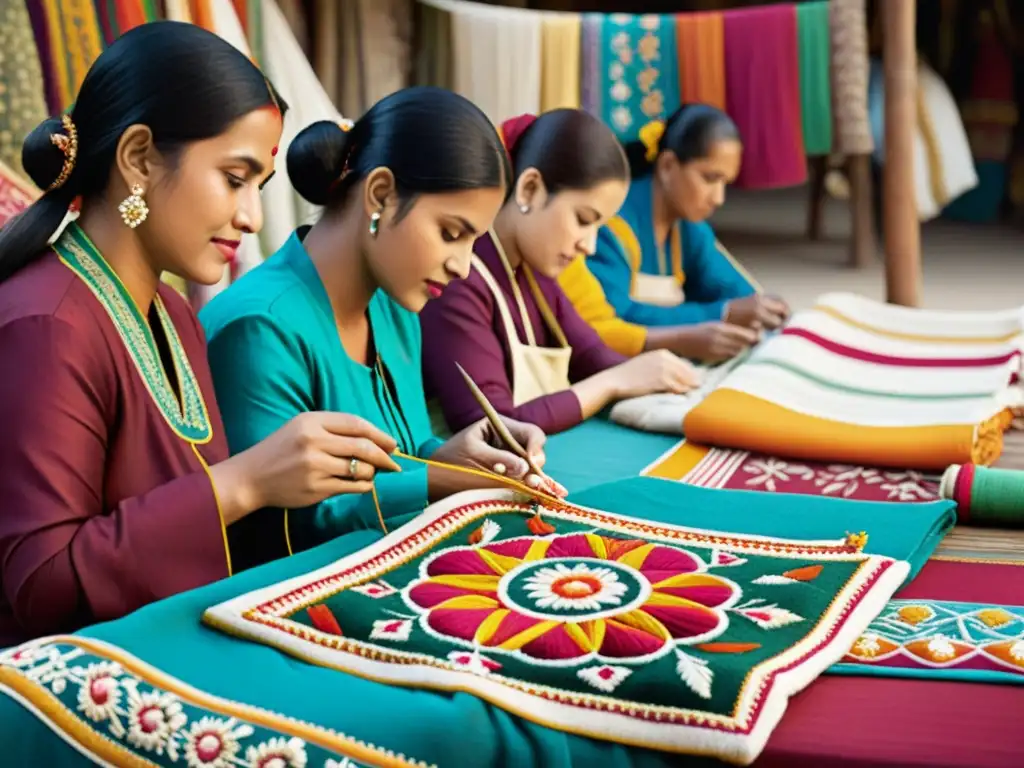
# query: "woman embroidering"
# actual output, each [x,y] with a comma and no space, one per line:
[509,325]
[329,321]
[116,477]
[663,281]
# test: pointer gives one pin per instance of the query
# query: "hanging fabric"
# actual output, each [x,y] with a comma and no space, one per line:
[640,72]
[291,73]
[763,95]
[560,61]
[700,41]
[497,55]
[849,52]
[815,77]
[591,63]
[433,65]
[69,40]
[22,105]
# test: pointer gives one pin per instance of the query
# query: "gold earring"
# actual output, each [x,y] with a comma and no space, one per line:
[133,208]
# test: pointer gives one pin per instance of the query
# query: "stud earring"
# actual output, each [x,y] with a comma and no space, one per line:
[524,208]
[374,223]
[133,208]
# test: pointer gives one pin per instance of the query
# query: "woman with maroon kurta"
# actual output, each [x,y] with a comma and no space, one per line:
[114,472]
[508,324]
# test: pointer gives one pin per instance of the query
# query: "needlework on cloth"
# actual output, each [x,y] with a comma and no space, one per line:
[976,641]
[608,626]
[117,710]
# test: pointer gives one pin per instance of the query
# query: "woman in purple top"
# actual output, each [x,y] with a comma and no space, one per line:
[508,324]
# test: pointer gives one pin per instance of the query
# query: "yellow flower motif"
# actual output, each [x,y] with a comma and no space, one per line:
[647,78]
[653,104]
[649,47]
[915,614]
[650,135]
[995,617]
[625,55]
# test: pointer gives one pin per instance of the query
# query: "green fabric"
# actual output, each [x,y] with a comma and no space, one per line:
[275,353]
[815,76]
[727,605]
[908,532]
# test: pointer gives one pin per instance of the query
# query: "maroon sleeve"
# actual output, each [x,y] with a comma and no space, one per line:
[590,354]
[65,559]
[459,327]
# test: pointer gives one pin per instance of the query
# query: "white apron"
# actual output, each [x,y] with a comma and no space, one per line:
[663,289]
[536,371]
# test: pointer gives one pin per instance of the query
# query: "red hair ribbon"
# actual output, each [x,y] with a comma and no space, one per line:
[513,129]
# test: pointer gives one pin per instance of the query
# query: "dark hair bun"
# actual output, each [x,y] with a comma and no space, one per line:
[316,159]
[42,159]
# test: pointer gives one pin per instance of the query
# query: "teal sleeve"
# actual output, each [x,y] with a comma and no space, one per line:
[262,381]
[611,265]
[712,278]
[427,449]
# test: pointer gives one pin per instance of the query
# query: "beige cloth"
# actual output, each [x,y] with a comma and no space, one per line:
[659,290]
[560,61]
[536,371]
[850,74]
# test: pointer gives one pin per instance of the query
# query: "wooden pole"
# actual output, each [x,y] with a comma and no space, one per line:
[902,226]
[863,246]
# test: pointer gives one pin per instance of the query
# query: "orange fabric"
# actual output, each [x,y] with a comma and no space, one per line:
[202,14]
[733,419]
[700,41]
[677,464]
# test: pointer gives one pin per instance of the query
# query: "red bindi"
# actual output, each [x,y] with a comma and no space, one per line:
[273,152]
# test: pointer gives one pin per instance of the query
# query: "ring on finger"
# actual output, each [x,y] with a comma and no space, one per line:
[353,468]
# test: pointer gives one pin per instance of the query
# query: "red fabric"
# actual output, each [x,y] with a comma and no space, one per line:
[909,362]
[962,492]
[762,85]
[864,722]
[105,508]
[513,128]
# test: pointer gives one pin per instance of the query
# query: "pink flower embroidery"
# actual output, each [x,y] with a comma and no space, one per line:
[565,598]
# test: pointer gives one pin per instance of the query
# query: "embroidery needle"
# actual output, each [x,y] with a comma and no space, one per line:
[499,426]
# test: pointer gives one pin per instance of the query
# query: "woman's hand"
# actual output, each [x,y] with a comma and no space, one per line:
[311,458]
[714,342]
[478,446]
[757,311]
[656,371]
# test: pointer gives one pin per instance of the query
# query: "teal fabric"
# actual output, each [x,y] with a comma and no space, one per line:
[275,353]
[711,279]
[639,72]
[908,532]
[169,635]
[599,451]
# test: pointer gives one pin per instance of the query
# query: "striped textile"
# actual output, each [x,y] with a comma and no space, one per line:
[853,381]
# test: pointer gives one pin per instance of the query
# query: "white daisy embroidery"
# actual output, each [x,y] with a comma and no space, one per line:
[582,587]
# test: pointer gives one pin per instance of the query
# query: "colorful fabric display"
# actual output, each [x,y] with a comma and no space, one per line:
[69,40]
[22,103]
[762,84]
[864,397]
[638,70]
[672,638]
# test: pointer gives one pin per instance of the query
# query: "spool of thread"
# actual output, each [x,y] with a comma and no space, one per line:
[985,496]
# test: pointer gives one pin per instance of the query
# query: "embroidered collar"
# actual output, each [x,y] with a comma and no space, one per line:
[190,419]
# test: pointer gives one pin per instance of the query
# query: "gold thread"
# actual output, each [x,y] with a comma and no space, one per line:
[220,509]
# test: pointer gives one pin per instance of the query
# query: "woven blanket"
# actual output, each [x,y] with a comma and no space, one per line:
[115,709]
[858,382]
[608,626]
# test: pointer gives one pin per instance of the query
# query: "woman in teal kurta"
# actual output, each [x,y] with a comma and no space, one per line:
[658,262]
[329,322]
